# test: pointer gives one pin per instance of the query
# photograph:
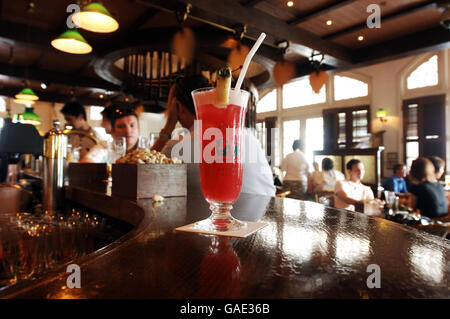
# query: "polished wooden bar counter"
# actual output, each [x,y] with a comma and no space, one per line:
[307,250]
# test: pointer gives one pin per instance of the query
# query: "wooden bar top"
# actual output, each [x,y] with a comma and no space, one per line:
[307,250]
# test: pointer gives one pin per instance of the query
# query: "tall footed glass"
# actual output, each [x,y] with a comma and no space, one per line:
[220,138]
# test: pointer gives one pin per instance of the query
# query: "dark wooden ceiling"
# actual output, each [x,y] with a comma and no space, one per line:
[408,27]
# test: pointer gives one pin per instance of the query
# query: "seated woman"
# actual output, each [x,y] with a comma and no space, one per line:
[427,195]
[327,178]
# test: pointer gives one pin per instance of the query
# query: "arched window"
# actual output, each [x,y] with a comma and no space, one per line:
[268,102]
[348,88]
[424,75]
[300,93]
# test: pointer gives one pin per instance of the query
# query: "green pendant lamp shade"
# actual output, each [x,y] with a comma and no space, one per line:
[27,94]
[96,18]
[29,117]
[73,42]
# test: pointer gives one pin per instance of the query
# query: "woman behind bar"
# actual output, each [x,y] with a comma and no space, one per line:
[427,195]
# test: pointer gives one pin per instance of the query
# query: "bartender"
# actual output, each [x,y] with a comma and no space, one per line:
[75,116]
[124,123]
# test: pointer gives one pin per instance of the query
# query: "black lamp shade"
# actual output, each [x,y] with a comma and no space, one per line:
[21,138]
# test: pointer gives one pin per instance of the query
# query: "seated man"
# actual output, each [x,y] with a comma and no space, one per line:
[257,175]
[396,183]
[75,116]
[351,192]
[124,123]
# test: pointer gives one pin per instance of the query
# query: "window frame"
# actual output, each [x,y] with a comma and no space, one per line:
[348,122]
[427,90]
[421,139]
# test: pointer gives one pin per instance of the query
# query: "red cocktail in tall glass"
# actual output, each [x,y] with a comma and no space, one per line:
[220,145]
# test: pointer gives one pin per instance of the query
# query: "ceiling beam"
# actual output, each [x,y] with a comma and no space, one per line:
[397,14]
[319,11]
[141,20]
[421,42]
[225,14]
[62,98]
[36,74]
[251,3]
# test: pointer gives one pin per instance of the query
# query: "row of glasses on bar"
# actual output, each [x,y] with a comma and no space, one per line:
[33,244]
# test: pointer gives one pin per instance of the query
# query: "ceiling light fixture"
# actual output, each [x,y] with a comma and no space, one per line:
[96,18]
[25,102]
[27,94]
[290,3]
[329,22]
[360,38]
[29,117]
[73,42]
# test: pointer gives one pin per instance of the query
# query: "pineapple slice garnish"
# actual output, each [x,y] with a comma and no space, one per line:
[223,86]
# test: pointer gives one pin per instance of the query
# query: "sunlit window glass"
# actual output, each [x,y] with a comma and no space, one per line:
[267,103]
[313,137]
[300,93]
[291,132]
[348,88]
[424,75]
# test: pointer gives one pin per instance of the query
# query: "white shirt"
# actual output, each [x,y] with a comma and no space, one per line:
[257,177]
[296,166]
[326,180]
[356,191]
[99,153]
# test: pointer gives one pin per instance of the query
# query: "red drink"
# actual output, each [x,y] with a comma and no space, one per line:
[222,181]
[220,147]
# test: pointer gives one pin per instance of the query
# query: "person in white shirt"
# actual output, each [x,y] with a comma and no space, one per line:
[325,180]
[352,193]
[257,175]
[124,123]
[296,170]
[75,117]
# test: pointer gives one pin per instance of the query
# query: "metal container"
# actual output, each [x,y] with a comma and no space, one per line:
[55,165]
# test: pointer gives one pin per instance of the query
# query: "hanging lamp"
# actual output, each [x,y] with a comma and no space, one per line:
[25,102]
[96,18]
[29,117]
[27,94]
[73,42]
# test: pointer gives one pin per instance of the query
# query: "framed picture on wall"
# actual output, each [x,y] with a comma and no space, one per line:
[392,159]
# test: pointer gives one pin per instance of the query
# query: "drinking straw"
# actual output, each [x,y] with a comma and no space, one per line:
[247,61]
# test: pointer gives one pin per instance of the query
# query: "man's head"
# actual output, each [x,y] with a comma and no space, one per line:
[439,166]
[182,98]
[399,170]
[125,124]
[355,170]
[107,116]
[74,114]
[296,145]
[327,164]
